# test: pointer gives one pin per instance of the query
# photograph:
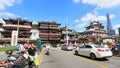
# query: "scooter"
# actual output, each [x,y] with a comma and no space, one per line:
[48,51]
[17,60]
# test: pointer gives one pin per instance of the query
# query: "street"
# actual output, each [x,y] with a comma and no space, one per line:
[65,59]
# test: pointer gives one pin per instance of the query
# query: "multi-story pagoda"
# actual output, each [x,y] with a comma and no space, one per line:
[10,25]
[49,32]
[95,31]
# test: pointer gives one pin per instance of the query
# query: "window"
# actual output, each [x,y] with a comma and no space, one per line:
[88,46]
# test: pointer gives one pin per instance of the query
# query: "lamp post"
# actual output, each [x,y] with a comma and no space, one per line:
[67,37]
[18,29]
[74,35]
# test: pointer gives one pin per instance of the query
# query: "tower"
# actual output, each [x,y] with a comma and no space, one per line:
[110,31]
[119,31]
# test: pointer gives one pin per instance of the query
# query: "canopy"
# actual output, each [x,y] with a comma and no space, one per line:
[38,42]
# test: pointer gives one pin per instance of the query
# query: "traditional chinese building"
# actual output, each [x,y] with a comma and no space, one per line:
[49,32]
[72,36]
[95,31]
[22,26]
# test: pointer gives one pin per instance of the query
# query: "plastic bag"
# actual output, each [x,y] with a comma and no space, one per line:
[36,61]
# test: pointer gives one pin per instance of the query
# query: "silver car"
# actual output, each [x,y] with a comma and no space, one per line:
[67,47]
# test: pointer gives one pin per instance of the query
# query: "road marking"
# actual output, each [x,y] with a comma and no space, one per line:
[91,61]
[40,57]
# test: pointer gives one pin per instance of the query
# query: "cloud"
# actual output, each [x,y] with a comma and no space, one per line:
[93,17]
[112,16]
[34,22]
[8,3]
[76,1]
[81,25]
[102,3]
[76,21]
[7,14]
[116,28]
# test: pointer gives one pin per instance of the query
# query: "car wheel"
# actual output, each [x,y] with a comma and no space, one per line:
[76,52]
[92,56]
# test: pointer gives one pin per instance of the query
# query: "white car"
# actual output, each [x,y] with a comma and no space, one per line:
[93,51]
[67,47]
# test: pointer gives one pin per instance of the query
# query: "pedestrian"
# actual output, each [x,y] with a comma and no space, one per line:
[26,45]
[33,54]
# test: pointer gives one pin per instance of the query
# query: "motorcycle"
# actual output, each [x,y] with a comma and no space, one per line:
[18,60]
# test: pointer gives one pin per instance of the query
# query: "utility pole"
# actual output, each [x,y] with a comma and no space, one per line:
[74,35]
[67,38]
[18,29]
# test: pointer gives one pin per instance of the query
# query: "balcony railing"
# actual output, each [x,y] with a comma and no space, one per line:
[12,25]
[44,27]
[44,34]
[18,38]
[53,27]
[50,34]
[54,38]
[55,34]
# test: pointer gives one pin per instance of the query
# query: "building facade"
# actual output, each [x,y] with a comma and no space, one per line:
[49,32]
[11,25]
[95,31]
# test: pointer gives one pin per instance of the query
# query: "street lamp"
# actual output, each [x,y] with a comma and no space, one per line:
[74,35]
[18,29]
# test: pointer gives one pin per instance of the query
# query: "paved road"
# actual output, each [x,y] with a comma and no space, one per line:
[65,59]
[61,59]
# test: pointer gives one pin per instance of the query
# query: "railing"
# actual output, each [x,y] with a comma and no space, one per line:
[18,38]
[55,34]
[44,34]
[50,34]
[43,27]
[54,38]
[53,27]
[10,25]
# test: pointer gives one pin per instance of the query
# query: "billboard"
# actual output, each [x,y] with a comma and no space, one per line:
[14,38]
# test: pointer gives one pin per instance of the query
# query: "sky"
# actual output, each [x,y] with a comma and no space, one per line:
[77,14]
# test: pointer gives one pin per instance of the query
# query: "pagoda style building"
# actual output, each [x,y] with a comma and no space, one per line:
[95,31]
[22,26]
[71,34]
[49,32]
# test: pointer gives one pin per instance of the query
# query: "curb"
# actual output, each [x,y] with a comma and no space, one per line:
[40,56]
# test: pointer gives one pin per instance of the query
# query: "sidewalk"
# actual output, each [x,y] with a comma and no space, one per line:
[1,53]
[3,56]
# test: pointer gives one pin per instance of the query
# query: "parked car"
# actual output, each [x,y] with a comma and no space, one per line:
[67,47]
[116,49]
[93,51]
